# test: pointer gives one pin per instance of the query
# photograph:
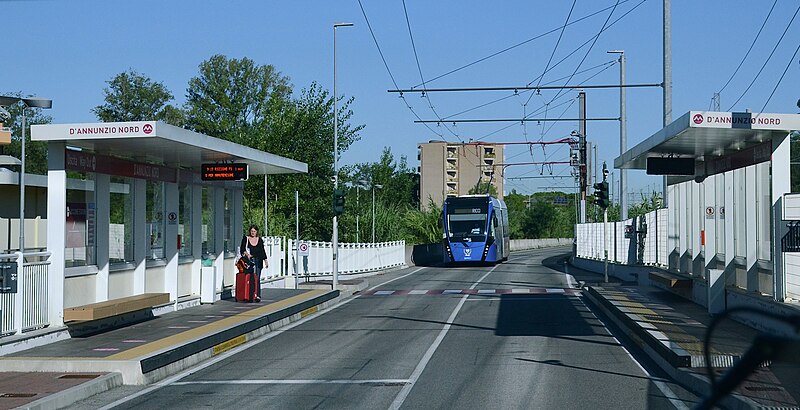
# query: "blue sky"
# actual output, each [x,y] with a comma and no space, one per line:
[67,50]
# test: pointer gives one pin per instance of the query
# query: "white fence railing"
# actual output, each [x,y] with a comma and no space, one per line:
[276,255]
[27,309]
[353,257]
[590,240]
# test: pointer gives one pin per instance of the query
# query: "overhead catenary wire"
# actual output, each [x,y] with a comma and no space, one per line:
[419,68]
[594,41]
[385,64]
[549,60]
[516,45]
[749,49]
[767,60]
[517,93]
[606,27]
[791,60]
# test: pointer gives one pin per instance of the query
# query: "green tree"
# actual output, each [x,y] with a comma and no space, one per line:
[396,196]
[235,99]
[35,151]
[131,96]
[517,205]
[482,188]
[304,132]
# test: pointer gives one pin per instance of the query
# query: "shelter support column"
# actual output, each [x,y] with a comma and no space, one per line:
[237,226]
[710,248]
[751,228]
[171,240]
[140,236]
[697,223]
[56,228]
[726,215]
[683,212]
[219,238]
[102,191]
[673,248]
[781,184]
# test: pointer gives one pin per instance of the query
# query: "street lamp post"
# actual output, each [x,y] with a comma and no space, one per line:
[373,209]
[30,102]
[335,238]
[623,134]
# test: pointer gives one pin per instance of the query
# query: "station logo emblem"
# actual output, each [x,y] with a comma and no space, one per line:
[697,118]
[147,128]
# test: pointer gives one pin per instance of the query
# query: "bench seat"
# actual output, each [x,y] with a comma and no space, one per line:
[114,307]
[670,281]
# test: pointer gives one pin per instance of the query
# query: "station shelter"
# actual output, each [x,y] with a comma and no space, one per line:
[128,211]
[731,177]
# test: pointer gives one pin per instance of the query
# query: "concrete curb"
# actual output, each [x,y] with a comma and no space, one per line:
[696,383]
[76,393]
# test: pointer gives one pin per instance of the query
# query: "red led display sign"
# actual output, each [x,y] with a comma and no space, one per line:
[224,172]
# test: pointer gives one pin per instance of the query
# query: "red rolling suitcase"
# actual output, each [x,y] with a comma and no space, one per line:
[245,287]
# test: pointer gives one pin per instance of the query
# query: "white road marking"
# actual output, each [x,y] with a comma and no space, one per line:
[397,278]
[418,292]
[384,292]
[551,290]
[401,397]
[170,380]
[666,390]
[486,291]
[309,381]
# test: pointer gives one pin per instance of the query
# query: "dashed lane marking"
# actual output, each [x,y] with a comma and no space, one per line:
[486,292]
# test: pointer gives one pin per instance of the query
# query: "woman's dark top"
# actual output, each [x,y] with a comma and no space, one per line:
[255,251]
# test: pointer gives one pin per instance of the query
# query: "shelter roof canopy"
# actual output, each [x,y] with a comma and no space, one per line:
[161,143]
[705,135]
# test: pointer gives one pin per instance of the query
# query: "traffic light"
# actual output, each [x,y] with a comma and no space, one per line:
[601,194]
[338,202]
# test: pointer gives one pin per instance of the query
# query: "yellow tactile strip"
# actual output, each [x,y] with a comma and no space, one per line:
[637,310]
[189,335]
[196,333]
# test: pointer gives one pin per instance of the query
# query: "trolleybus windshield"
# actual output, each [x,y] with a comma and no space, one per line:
[467,223]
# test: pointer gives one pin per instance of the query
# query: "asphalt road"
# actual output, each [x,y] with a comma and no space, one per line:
[423,338]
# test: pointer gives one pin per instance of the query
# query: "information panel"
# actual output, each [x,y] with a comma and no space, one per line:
[224,172]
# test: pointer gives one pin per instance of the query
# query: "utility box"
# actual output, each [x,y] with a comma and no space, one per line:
[208,282]
[8,277]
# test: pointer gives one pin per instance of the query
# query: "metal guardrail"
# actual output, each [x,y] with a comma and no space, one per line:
[28,308]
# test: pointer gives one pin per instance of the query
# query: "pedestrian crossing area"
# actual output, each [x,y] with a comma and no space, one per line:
[483,292]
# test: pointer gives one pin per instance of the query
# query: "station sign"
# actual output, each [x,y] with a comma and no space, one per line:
[224,172]
[743,120]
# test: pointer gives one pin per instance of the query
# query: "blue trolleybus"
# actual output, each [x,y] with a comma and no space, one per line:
[475,229]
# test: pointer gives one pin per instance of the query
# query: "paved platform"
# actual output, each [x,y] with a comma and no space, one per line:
[58,374]
[671,330]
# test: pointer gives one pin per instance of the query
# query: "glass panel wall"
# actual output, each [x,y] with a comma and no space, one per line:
[155,220]
[185,219]
[208,221]
[120,232]
[230,244]
[80,245]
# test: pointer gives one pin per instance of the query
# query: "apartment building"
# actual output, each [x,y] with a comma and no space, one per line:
[452,169]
